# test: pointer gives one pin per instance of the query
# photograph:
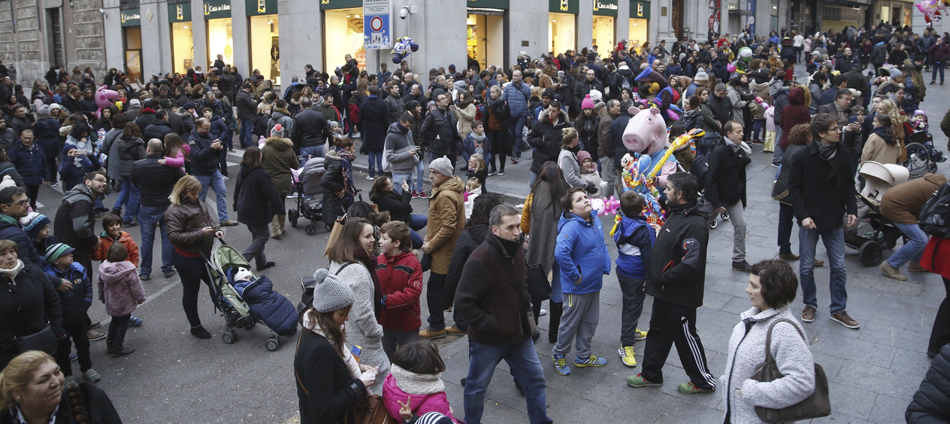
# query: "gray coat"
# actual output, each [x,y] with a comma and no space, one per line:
[567,161]
[396,108]
[747,351]
[398,144]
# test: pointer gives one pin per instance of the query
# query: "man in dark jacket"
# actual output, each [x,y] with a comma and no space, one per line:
[440,132]
[14,204]
[159,127]
[394,103]
[246,109]
[929,404]
[205,154]
[146,116]
[726,187]
[175,122]
[7,135]
[821,188]
[720,104]
[155,182]
[374,122]
[605,146]
[545,137]
[76,218]
[676,281]
[492,297]
[615,135]
[583,87]
[845,62]
[310,130]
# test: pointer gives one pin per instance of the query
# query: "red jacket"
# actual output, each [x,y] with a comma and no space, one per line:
[936,249]
[401,279]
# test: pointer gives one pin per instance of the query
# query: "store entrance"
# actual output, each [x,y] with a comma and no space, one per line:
[562,32]
[133,52]
[604,34]
[220,41]
[265,46]
[343,36]
[486,38]
[183,47]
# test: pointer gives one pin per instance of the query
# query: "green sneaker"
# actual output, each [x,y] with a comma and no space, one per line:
[560,365]
[638,381]
[91,376]
[689,388]
[70,381]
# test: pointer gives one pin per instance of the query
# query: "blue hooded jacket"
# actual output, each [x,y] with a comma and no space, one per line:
[634,240]
[581,251]
[74,302]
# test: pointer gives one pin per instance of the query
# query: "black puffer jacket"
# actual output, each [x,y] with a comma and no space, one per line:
[931,403]
[27,303]
[154,180]
[10,230]
[310,128]
[255,198]
[678,260]
[334,181]
[726,176]
[157,129]
[398,206]
[545,137]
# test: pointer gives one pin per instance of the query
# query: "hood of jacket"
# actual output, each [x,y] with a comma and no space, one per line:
[77,193]
[453,184]
[332,154]
[417,384]
[279,143]
[688,208]
[547,112]
[397,128]
[276,114]
[112,271]
[796,96]
[567,217]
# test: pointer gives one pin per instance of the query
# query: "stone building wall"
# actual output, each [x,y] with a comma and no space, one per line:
[27,52]
[84,36]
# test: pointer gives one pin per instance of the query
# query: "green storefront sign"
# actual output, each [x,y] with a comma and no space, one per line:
[130,17]
[489,4]
[639,10]
[340,4]
[605,7]
[180,12]
[260,7]
[564,6]
[216,9]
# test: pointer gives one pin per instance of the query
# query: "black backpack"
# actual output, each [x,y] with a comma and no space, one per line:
[934,216]
[698,168]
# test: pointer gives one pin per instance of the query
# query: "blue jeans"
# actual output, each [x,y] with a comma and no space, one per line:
[148,216]
[375,162]
[397,182]
[522,359]
[313,151]
[420,173]
[130,197]
[216,183]
[246,126]
[532,179]
[416,223]
[938,66]
[757,125]
[834,245]
[517,127]
[778,152]
[912,249]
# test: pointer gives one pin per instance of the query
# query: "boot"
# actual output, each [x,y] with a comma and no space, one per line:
[282,219]
[110,347]
[275,229]
[118,350]
[554,320]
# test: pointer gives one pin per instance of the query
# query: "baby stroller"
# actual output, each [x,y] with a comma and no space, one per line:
[309,195]
[245,303]
[922,158]
[883,234]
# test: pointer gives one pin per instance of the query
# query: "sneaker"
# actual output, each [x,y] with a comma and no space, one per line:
[144,277]
[689,388]
[560,365]
[229,223]
[915,267]
[741,266]
[423,195]
[628,356]
[200,332]
[135,321]
[92,334]
[91,376]
[415,195]
[454,330]
[73,357]
[543,312]
[56,184]
[501,173]
[808,315]
[292,195]
[592,361]
[169,274]
[70,382]
[640,335]
[369,178]
[638,381]
[492,173]
[891,272]
[788,257]
[94,324]
[842,318]
[225,177]
[514,161]
[432,334]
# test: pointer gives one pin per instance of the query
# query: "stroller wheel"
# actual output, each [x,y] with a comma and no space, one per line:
[272,344]
[713,224]
[871,253]
[229,337]
[725,216]
[292,216]
[310,229]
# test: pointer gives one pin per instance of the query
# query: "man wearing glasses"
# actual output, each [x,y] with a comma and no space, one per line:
[14,204]
[76,218]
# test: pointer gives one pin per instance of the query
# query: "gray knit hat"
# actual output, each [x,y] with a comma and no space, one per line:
[331,294]
[701,75]
[443,166]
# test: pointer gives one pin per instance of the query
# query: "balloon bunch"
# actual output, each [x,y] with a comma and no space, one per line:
[606,205]
[932,9]
[635,177]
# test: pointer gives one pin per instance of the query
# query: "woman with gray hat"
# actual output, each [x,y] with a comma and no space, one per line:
[329,377]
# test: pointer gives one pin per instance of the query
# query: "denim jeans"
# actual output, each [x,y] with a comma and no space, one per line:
[938,67]
[375,163]
[216,183]
[259,236]
[522,359]
[913,248]
[313,151]
[416,183]
[397,182]
[246,126]
[532,179]
[757,125]
[416,222]
[634,292]
[130,196]
[786,218]
[148,216]
[778,152]
[834,245]
[516,129]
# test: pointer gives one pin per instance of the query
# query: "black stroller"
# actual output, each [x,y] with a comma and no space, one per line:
[309,195]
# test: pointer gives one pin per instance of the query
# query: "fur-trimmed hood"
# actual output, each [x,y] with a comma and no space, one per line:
[547,112]
[279,143]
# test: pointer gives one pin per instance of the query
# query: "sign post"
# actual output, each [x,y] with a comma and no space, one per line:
[377,24]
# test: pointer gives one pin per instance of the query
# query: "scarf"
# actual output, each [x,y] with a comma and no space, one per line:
[352,365]
[13,272]
[417,384]
[370,263]
[18,417]
[511,247]
[827,152]
[884,133]
[734,146]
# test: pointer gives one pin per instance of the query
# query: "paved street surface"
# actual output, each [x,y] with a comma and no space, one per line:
[873,372]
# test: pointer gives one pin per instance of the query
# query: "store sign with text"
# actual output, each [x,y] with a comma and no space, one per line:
[216,9]
[489,4]
[340,4]
[130,17]
[605,7]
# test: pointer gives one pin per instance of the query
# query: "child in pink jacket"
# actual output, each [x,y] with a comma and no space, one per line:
[175,152]
[416,381]
[120,289]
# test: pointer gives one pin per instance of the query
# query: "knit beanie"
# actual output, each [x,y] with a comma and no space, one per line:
[443,166]
[57,250]
[549,93]
[44,110]
[331,293]
[243,273]
[920,112]
[188,105]
[7,182]
[701,76]
[434,418]
[596,96]
[587,103]
[32,223]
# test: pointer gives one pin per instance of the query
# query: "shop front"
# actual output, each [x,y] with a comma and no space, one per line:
[182,37]
[639,24]
[219,28]
[604,26]
[895,12]
[562,25]
[343,33]
[487,28]
[264,38]
[131,21]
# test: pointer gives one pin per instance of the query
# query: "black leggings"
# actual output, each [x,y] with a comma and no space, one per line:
[192,272]
[118,328]
[498,148]
[51,163]
[32,191]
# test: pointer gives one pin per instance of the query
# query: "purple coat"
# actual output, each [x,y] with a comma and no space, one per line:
[119,287]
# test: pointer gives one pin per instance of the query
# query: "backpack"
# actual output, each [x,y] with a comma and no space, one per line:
[626,84]
[698,168]
[934,216]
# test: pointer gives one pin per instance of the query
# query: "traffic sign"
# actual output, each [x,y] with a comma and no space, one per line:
[377,24]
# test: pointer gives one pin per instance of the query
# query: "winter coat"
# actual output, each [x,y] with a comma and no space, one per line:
[931,403]
[185,223]
[747,351]
[73,169]
[129,151]
[10,229]
[517,97]
[567,161]
[678,259]
[119,287]
[721,108]
[425,393]
[255,199]
[634,240]
[246,106]
[902,203]
[326,391]
[471,238]
[310,128]
[30,163]
[397,205]
[157,129]
[7,168]
[821,190]
[605,146]
[397,145]
[278,159]
[761,91]
[100,253]
[400,278]
[74,302]
[336,179]
[465,117]
[374,123]
[877,148]
[445,224]
[46,133]
[739,100]
[204,159]
[8,137]
[282,117]
[395,108]
[583,87]
[269,306]
[581,253]
[145,118]
[726,176]
[440,132]
[587,133]
[545,137]
[76,220]
[28,305]
[363,330]
[469,148]
[879,54]
[154,180]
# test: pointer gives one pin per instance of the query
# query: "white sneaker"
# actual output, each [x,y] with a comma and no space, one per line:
[292,195]
[368,178]
[543,312]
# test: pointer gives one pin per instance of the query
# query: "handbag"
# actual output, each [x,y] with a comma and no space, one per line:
[815,406]
[43,340]
[368,411]
[538,286]
[335,234]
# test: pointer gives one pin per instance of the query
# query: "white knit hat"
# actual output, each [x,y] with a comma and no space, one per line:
[331,294]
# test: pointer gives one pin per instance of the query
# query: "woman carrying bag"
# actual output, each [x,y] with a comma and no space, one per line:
[257,203]
[28,305]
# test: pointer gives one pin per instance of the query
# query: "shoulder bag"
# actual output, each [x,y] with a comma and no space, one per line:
[815,406]
[538,286]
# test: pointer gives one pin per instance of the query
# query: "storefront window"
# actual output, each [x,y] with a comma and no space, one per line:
[485,39]
[220,40]
[604,34]
[773,21]
[344,35]
[638,33]
[265,47]
[562,33]
[133,52]
[183,47]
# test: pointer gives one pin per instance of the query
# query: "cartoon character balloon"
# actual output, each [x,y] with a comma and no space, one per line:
[104,98]
[403,48]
